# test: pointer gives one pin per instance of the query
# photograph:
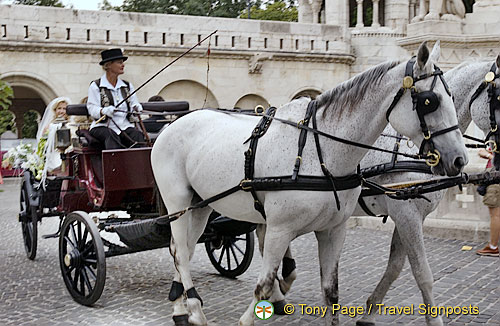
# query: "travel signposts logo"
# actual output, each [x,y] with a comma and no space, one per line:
[264,310]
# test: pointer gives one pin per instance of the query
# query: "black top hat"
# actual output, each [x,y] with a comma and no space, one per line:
[112,54]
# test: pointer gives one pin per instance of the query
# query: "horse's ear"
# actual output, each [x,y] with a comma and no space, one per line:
[436,52]
[498,62]
[422,55]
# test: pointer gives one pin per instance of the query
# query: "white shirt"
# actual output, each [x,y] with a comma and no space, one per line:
[120,118]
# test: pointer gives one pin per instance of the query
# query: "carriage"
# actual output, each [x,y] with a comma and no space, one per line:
[92,180]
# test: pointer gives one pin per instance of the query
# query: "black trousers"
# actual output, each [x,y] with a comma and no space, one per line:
[130,137]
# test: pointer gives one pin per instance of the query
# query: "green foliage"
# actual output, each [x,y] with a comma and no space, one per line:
[6,93]
[275,9]
[46,3]
[30,126]
[6,119]
[278,10]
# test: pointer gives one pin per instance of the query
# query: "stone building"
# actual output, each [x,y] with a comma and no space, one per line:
[48,52]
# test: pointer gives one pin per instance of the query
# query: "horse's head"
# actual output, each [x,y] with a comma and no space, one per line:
[485,109]
[427,115]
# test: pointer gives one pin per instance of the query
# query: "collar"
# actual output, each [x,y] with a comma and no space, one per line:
[107,84]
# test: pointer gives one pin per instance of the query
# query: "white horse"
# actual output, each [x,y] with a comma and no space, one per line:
[209,160]
[409,215]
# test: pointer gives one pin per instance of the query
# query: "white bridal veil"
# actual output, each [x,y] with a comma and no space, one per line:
[49,115]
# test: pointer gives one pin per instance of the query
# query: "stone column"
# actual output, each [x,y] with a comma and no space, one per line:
[305,14]
[413,6]
[375,22]
[359,23]
[316,7]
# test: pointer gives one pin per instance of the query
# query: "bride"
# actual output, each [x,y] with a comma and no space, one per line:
[53,119]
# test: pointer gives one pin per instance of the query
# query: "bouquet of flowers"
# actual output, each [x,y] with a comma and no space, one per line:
[24,157]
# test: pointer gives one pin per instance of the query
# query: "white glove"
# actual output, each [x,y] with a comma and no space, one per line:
[108,110]
[138,108]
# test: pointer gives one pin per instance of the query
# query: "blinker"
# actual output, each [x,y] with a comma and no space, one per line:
[427,102]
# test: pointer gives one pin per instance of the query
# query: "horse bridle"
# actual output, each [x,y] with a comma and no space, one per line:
[424,102]
[494,101]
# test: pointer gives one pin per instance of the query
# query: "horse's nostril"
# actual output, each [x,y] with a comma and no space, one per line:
[459,162]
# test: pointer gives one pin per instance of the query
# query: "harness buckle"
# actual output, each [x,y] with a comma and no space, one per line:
[494,130]
[242,184]
[301,122]
[259,110]
[428,136]
[493,146]
[433,158]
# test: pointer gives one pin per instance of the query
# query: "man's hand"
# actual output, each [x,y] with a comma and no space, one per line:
[138,108]
[108,110]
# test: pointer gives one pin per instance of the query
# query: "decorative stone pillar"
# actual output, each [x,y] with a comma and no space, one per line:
[413,7]
[316,7]
[305,12]
[360,23]
[375,22]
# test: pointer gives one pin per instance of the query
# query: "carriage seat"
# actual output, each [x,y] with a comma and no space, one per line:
[175,107]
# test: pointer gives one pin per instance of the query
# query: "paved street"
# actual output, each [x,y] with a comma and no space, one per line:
[137,285]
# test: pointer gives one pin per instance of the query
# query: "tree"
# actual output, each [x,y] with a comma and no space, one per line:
[276,10]
[213,8]
[30,126]
[6,93]
[46,3]
[6,117]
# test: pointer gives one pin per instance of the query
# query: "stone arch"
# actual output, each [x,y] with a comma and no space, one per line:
[250,101]
[191,91]
[31,92]
[38,84]
[307,92]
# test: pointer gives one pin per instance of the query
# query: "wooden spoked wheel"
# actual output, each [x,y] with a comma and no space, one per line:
[231,255]
[29,223]
[82,258]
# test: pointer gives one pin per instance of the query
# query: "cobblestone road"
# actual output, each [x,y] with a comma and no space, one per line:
[137,285]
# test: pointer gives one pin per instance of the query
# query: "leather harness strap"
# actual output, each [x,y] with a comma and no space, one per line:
[324,169]
[258,132]
[311,111]
[295,181]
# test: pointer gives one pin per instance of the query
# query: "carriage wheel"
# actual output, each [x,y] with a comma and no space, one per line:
[29,223]
[81,258]
[231,255]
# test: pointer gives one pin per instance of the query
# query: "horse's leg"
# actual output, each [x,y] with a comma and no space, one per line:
[288,271]
[330,243]
[181,315]
[412,238]
[281,286]
[275,245]
[180,249]
[395,264]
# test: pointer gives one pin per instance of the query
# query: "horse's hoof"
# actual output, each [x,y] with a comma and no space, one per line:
[279,307]
[181,320]
[364,323]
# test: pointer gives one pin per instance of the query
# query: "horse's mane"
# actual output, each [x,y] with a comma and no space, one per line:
[349,93]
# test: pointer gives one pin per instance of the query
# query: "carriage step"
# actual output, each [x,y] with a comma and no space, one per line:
[52,235]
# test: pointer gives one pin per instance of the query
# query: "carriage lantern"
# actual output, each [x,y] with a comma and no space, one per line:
[63,138]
